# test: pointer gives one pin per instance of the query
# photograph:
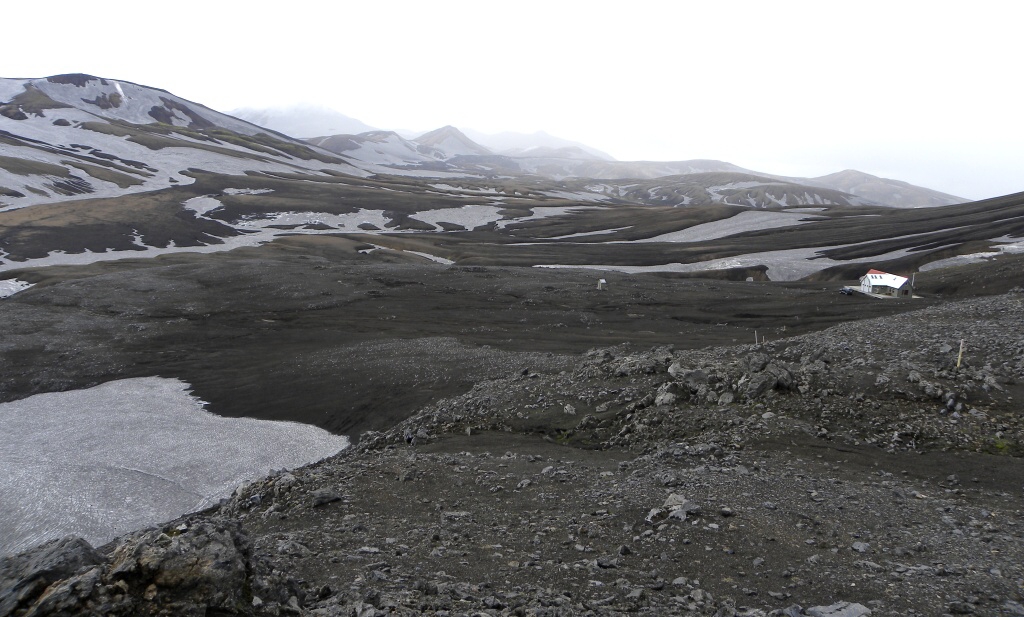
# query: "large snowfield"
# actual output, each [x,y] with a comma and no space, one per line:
[126,454]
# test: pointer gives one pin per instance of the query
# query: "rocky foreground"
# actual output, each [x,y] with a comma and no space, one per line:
[853,471]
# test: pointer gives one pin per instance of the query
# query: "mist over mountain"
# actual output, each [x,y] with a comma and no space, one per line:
[513,144]
[457,150]
[302,120]
[884,190]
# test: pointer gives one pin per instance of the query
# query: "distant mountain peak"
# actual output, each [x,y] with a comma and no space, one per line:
[442,133]
[447,142]
[895,193]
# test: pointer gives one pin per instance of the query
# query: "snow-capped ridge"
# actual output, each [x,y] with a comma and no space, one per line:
[79,136]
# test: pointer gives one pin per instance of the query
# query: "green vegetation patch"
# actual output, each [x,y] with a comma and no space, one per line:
[159,142]
[25,167]
[105,101]
[108,129]
[109,175]
[161,135]
[31,101]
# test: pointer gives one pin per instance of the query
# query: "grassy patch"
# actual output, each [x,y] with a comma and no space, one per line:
[159,142]
[109,175]
[25,167]
[33,101]
[108,129]
[161,135]
[105,101]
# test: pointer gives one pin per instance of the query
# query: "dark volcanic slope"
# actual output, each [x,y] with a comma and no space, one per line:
[846,472]
[309,329]
[894,240]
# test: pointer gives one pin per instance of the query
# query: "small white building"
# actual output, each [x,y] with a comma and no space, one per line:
[885,284]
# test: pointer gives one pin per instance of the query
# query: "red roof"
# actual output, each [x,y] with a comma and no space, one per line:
[873,271]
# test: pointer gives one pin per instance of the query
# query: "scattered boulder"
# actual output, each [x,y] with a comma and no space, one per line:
[323,496]
[839,609]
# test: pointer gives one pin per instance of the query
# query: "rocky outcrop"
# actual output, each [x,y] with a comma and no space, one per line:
[195,567]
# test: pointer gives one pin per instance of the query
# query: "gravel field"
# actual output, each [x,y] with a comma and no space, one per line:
[850,471]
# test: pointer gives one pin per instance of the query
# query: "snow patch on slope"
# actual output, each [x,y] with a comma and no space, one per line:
[469,217]
[788,265]
[740,223]
[107,460]
[12,286]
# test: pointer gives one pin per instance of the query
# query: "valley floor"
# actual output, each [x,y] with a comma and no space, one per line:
[852,470]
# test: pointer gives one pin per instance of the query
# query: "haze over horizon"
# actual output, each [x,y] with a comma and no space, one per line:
[920,92]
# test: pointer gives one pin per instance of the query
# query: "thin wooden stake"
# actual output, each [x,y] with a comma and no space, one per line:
[960,356]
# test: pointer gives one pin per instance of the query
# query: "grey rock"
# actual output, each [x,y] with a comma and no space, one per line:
[284,484]
[67,596]
[667,478]
[839,609]
[759,385]
[637,594]
[665,399]
[694,379]
[784,379]
[23,577]
[678,506]
[323,496]
[756,362]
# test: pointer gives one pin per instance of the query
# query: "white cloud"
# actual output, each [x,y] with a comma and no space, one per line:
[926,87]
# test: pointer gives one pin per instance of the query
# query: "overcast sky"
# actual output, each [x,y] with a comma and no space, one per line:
[926,92]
